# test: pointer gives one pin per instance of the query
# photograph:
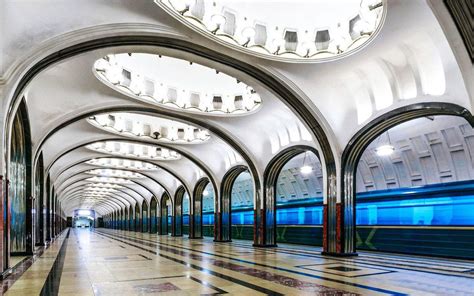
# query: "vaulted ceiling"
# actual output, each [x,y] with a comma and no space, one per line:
[164,117]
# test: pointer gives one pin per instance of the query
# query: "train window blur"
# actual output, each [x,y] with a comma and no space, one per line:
[436,207]
[208,210]
[242,200]
[186,213]
[299,191]
[415,181]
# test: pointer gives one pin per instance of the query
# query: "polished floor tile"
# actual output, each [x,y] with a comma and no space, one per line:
[111,262]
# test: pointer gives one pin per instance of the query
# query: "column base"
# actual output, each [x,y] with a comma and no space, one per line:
[6,273]
[222,240]
[333,254]
[264,246]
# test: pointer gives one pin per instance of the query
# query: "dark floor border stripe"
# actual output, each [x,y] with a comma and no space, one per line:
[19,269]
[364,262]
[415,258]
[51,286]
[429,270]
[263,274]
[206,284]
[361,261]
[219,275]
[290,271]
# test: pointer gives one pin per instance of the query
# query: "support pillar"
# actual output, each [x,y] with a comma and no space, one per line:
[339,221]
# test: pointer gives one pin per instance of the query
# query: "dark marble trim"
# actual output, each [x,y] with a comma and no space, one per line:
[222,276]
[11,275]
[261,274]
[51,286]
[281,268]
[206,284]
[308,267]
[462,11]
[359,260]
[147,258]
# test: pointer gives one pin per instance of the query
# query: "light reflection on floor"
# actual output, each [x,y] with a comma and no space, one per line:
[111,262]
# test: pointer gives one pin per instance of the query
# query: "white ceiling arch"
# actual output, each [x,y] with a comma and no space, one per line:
[323,87]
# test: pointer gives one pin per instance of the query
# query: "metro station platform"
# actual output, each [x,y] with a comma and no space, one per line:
[111,262]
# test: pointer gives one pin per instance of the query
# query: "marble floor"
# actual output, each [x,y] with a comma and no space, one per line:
[112,262]
[14,260]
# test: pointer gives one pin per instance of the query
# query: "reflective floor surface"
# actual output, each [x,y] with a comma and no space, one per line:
[112,262]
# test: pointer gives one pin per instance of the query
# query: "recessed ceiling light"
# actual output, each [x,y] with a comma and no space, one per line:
[136,150]
[150,127]
[136,76]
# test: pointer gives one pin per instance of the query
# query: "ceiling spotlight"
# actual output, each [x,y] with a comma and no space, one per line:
[182,6]
[248,33]
[218,20]
[306,169]
[385,150]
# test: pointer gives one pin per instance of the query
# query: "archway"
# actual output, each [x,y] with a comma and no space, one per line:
[357,145]
[415,189]
[186,213]
[131,220]
[202,213]
[122,219]
[208,211]
[274,84]
[293,185]
[136,227]
[144,216]
[39,202]
[19,221]
[166,212]
[117,219]
[125,218]
[153,215]
[47,207]
[242,207]
[237,210]
[178,211]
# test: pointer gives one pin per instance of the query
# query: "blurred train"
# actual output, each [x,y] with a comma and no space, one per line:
[435,220]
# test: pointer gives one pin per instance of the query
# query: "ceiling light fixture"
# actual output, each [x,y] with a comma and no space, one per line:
[385,150]
[210,17]
[217,20]
[155,128]
[114,173]
[305,169]
[121,163]
[119,73]
[111,180]
[127,149]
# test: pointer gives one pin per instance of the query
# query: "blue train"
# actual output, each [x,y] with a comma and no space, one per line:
[428,220]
